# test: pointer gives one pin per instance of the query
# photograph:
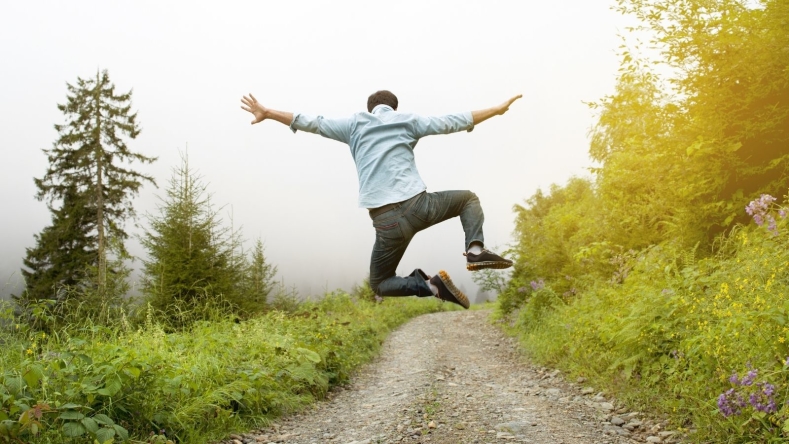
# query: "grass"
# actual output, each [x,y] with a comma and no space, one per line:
[88,382]
[679,336]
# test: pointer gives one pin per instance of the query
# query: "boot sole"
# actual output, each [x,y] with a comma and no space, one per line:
[474,266]
[462,299]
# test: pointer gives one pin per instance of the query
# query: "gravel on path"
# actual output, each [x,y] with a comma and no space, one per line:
[454,378]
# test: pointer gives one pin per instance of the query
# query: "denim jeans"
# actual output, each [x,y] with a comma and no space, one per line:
[395,228]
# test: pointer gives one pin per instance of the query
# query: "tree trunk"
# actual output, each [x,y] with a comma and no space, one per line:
[102,271]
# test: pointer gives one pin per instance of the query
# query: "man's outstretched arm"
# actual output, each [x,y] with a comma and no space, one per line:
[262,113]
[485,114]
[428,126]
[337,129]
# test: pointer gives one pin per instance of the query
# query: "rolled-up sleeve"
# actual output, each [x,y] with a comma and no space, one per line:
[336,129]
[450,123]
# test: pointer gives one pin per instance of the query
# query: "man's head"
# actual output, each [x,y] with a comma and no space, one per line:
[382,97]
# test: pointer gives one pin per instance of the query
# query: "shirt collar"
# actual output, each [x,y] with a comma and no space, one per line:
[382,108]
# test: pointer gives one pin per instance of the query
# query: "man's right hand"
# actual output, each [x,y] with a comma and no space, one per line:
[485,114]
[504,107]
[252,106]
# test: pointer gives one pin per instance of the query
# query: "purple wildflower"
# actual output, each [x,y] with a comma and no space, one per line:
[786,363]
[762,400]
[772,225]
[760,395]
[759,208]
[730,403]
[782,213]
[749,377]
[537,285]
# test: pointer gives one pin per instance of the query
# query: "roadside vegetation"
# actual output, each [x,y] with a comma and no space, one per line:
[138,379]
[664,276]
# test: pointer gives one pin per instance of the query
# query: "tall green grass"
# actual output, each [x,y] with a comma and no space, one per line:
[93,382]
[679,335]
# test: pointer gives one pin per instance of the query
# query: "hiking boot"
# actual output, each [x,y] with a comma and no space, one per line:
[447,291]
[486,259]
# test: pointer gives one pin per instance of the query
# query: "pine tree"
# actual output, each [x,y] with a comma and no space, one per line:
[63,253]
[191,256]
[90,160]
[258,278]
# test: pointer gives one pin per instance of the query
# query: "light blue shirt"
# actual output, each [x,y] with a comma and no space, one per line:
[382,145]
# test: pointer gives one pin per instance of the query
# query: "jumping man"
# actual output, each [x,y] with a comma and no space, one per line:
[382,143]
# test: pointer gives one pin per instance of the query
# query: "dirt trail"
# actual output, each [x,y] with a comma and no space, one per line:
[453,378]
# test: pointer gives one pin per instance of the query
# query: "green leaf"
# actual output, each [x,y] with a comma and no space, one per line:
[113,385]
[73,429]
[33,375]
[7,428]
[71,415]
[70,405]
[123,433]
[134,372]
[14,385]
[90,425]
[105,435]
[103,419]
[309,354]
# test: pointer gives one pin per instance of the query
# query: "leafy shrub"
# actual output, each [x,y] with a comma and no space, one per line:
[673,332]
[92,382]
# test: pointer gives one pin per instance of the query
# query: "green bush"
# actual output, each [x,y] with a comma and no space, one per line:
[675,331]
[91,382]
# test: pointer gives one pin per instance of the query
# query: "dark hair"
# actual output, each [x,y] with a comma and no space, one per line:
[382,97]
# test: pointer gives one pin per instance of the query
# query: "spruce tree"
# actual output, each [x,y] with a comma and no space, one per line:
[258,278]
[91,160]
[63,253]
[191,256]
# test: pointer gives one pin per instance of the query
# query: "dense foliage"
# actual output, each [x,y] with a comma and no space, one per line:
[651,277]
[91,382]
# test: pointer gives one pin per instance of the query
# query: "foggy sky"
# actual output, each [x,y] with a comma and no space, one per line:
[189,63]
